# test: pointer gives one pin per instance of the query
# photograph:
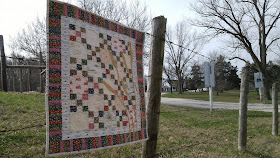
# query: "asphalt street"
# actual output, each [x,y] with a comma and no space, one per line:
[216,105]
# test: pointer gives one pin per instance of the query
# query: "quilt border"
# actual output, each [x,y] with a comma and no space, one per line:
[54,143]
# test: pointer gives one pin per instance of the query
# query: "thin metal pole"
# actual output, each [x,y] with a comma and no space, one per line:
[211,98]
[260,91]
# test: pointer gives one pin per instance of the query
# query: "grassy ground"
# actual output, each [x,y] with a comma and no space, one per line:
[226,96]
[188,133]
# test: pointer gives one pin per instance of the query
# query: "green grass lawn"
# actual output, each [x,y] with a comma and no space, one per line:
[226,96]
[189,133]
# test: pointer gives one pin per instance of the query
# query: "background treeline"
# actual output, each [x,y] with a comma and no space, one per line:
[226,76]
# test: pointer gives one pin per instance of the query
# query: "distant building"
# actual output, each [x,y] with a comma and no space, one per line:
[165,89]
[174,85]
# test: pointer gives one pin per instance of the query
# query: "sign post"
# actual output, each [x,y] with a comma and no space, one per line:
[259,83]
[209,80]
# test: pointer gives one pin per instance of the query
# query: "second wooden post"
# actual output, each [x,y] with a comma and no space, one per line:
[275,109]
[244,90]
[154,85]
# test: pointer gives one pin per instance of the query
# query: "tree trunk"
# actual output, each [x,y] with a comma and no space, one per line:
[179,85]
[257,91]
[267,95]
[217,89]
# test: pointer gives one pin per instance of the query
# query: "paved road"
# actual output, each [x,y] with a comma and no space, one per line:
[216,105]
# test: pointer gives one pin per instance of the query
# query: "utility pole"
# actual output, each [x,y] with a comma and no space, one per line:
[154,85]
[3,65]
[244,90]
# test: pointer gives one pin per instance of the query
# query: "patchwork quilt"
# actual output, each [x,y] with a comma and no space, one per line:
[95,96]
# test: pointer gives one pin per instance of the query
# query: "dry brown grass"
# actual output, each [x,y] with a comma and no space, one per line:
[189,133]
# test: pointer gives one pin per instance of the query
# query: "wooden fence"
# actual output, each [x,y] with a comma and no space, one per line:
[21,68]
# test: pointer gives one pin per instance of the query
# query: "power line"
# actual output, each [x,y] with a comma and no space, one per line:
[181,46]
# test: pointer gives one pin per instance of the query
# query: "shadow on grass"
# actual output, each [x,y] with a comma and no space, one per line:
[259,114]
[257,154]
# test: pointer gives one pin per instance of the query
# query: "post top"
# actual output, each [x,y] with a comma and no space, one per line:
[160,17]
[1,41]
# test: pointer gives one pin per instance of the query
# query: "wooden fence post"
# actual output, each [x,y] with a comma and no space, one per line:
[20,81]
[244,90]
[3,65]
[275,109]
[41,77]
[29,80]
[14,81]
[154,85]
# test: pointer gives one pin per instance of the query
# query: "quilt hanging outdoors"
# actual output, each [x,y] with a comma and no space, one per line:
[95,95]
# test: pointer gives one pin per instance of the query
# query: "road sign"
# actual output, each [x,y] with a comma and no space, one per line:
[258,80]
[209,80]
[209,75]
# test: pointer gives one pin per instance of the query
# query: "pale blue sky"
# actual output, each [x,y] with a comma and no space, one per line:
[173,10]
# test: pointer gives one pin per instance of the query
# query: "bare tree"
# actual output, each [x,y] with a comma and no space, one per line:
[133,14]
[169,73]
[31,41]
[250,23]
[177,58]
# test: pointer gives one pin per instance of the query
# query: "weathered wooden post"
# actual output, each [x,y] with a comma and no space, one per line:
[3,65]
[14,81]
[275,109]
[154,85]
[244,90]
[29,79]
[20,81]
[41,77]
